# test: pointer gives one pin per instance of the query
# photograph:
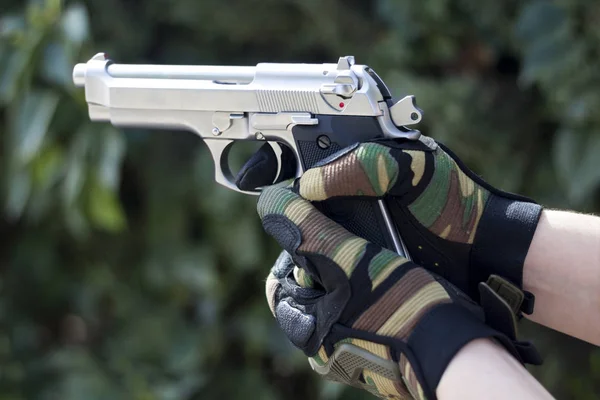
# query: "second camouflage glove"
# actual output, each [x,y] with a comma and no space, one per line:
[366,316]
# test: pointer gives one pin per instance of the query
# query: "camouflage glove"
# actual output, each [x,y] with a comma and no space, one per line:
[452,222]
[366,316]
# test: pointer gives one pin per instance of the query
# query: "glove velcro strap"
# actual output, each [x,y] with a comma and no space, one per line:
[441,334]
[528,303]
[518,300]
[528,353]
[512,295]
[500,314]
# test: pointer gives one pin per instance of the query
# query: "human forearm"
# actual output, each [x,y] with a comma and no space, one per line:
[484,370]
[562,270]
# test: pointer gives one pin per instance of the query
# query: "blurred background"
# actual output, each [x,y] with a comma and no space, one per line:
[126,272]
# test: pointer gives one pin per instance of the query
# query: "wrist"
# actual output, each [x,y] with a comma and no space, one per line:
[483,369]
[460,368]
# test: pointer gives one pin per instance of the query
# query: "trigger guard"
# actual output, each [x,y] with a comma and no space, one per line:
[219,149]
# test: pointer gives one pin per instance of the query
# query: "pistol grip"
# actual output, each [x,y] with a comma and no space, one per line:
[367,218]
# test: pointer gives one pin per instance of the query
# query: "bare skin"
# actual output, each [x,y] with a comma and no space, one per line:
[484,370]
[562,270]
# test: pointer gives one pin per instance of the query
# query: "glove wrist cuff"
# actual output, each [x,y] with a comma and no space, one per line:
[503,239]
[440,335]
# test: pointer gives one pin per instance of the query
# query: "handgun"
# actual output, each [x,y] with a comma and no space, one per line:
[315,110]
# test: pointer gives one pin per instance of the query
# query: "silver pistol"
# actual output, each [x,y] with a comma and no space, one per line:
[313,109]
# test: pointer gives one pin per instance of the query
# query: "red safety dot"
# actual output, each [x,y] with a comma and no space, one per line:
[342,104]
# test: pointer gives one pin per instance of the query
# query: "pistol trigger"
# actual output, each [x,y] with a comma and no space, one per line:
[278,154]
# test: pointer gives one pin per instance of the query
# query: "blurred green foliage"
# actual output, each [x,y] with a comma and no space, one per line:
[127,273]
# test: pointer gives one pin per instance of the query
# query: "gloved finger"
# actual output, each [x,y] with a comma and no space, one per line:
[302,278]
[317,244]
[291,304]
[261,169]
[370,169]
[272,286]
[313,241]
[308,235]
[283,267]
[287,280]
